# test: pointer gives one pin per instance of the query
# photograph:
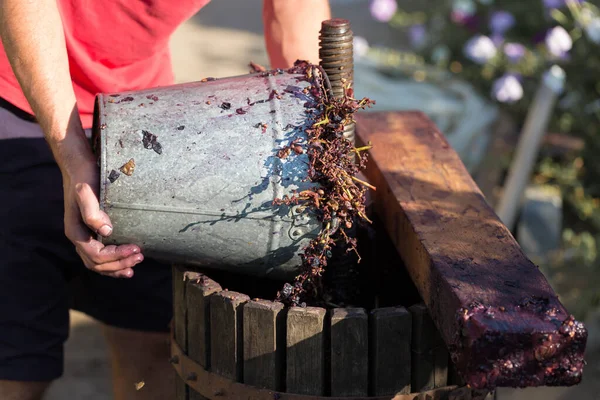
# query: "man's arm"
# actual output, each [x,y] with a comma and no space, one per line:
[292,30]
[33,37]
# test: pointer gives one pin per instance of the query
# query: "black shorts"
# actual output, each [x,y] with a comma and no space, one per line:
[41,275]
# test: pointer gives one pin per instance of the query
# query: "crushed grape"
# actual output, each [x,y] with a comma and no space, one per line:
[334,163]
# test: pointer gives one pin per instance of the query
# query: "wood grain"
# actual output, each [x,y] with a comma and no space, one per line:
[498,315]
[226,334]
[390,353]
[429,355]
[198,290]
[349,332]
[305,351]
[264,344]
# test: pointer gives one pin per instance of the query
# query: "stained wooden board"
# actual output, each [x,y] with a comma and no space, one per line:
[305,351]
[264,344]
[349,332]
[497,313]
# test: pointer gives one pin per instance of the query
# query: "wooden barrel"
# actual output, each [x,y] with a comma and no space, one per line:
[229,346]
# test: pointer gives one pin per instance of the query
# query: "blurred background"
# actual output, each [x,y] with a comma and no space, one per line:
[515,87]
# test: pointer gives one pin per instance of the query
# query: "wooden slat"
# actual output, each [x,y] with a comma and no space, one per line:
[429,355]
[216,387]
[264,344]
[349,352]
[197,293]
[305,351]
[179,323]
[226,334]
[490,303]
[390,351]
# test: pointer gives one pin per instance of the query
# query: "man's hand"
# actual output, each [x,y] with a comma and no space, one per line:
[83,217]
[33,37]
[292,30]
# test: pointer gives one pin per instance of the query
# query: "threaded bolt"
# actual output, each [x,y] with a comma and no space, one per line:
[337,59]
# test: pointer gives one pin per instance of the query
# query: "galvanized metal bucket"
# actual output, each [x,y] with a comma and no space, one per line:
[189,172]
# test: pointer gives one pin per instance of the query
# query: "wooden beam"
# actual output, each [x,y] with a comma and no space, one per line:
[502,322]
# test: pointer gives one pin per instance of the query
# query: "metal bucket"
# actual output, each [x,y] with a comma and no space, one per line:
[205,171]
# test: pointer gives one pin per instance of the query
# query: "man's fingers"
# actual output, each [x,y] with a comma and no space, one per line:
[91,214]
[95,251]
[119,269]
[124,273]
[119,265]
[99,254]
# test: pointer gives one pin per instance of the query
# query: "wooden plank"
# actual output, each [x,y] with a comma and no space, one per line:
[305,351]
[349,352]
[264,344]
[226,334]
[179,323]
[496,312]
[198,290]
[390,351]
[429,355]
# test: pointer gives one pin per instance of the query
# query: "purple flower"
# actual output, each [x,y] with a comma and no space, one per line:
[480,49]
[507,89]
[417,35]
[383,10]
[558,42]
[514,52]
[501,21]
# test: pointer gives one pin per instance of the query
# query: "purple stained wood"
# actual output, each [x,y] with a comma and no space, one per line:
[500,319]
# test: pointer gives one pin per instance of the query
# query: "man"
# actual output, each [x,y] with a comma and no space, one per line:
[56,55]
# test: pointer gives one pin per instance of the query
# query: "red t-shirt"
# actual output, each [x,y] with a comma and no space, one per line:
[113,46]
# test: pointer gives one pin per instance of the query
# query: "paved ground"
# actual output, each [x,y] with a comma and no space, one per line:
[219,43]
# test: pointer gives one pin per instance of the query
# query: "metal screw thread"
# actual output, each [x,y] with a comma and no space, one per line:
[337,59]
[336,55]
